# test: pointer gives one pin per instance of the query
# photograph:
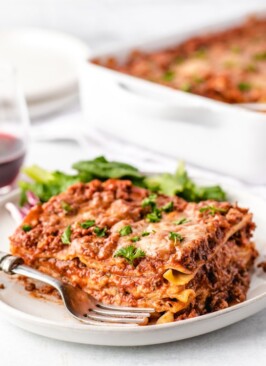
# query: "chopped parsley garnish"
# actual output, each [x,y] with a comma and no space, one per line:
[66,235]
[145,233]
[179,59]
[186,87]
[175,236]
[26,228]
[229,64]
[154,216]
[201,52]
[251,68]
[169,75]
[236,49]
[130,253]
[126,230]
[198,79]
[244,86]
[101,232]
[135,239]
[212,210]
[168,207]
[261,56]
[66,206]
[87,224]
[149,201]
[181,221]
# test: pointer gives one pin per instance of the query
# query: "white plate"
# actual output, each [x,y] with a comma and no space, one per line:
[47,64]
[50,318]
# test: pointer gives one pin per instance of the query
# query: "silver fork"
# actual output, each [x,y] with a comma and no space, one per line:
[78,303]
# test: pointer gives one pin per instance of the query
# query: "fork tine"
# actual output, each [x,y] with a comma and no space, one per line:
[117,313]
[100,323]
[76,300]
[126,308]
[110,319]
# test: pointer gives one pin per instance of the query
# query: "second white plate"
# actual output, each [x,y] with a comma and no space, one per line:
[47,64]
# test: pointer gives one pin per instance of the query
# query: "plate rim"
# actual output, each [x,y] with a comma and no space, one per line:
[82,52]
[103,328]
[85,327]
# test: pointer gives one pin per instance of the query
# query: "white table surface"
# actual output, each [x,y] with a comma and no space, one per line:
[241,344]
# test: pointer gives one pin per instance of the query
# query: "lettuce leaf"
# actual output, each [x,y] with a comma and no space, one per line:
[45,184]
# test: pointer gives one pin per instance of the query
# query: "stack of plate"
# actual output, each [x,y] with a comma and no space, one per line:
[47,65]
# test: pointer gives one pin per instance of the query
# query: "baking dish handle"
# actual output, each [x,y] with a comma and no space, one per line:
[168,105]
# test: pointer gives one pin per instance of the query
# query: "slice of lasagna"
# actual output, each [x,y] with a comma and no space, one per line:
[126,246]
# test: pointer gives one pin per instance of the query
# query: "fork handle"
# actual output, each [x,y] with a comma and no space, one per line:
[11,264]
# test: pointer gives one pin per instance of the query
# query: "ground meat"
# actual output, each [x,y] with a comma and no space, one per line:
[262,265]
[29,286]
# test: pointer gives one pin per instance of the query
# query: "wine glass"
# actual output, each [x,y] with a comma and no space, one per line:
[14,126]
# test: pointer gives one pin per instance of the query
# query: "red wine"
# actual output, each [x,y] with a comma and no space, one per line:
[12,153]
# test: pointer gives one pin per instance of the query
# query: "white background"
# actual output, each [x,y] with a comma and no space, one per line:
[99,23]
[102,21]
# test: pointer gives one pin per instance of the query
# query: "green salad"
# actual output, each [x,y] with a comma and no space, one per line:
[45,184]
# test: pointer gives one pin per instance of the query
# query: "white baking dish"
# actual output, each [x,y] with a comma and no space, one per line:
[211,134]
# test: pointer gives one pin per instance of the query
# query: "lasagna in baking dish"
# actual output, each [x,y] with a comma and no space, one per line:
[228,66]
[126,246]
